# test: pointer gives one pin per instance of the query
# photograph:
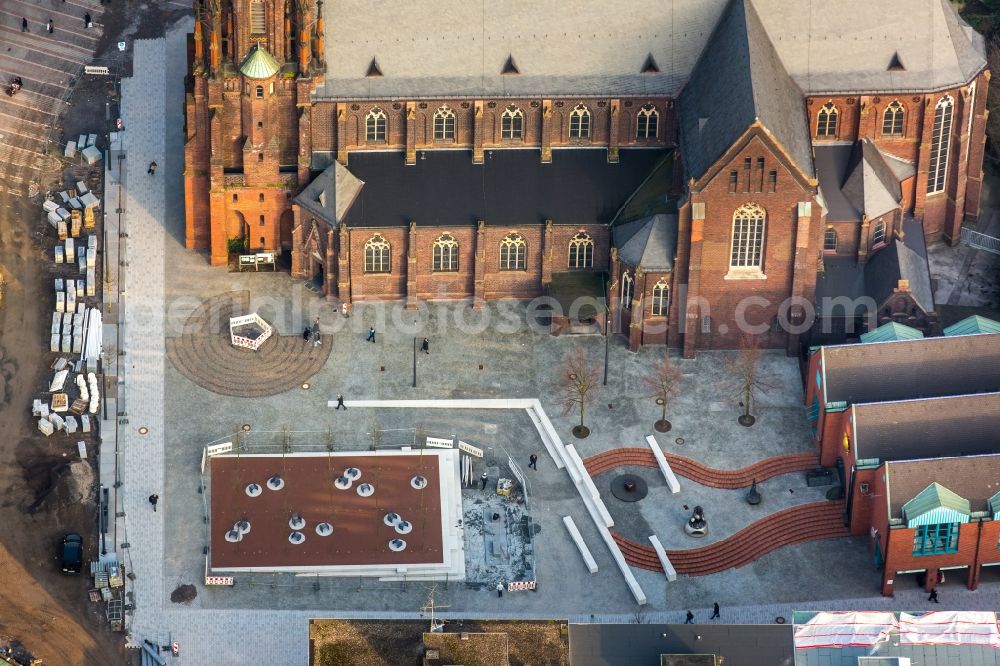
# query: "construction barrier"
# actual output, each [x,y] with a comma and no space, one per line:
[516,586]
[220,580]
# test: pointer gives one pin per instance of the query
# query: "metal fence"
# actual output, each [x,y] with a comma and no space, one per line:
[980,241]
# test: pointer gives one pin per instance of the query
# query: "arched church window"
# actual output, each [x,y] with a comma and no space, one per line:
[579,122]
[444,124]
[375,123]
[377,255]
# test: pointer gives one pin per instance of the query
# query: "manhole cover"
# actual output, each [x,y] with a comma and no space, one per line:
[629,487]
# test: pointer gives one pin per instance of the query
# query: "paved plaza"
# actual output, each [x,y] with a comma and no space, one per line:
[491,353]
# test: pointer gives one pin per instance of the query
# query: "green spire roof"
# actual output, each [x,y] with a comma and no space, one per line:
[259,64]
[891,331]
[973,325]
[936,504]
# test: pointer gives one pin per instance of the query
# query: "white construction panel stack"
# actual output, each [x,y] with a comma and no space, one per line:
[57,318]
[91,282]
[60,254]
[60,301]
[81,262]
[70,254]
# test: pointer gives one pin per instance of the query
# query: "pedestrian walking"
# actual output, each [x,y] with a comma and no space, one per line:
[690,618]
[317,340]
[484,478]
[425,346]
[49,26]
[371,334]
[499,589]
[306,332]
[715,611]
[87,23]
[933,596]
[343,310]
[152,169]
[24,24]
[533,461]
[153,499]
[340,402]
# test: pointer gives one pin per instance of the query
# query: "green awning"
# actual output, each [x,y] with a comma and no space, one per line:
[995,506]
[972,326]
[891,331]
[259,64]
[936,504]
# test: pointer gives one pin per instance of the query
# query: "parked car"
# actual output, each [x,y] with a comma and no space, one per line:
[71,553]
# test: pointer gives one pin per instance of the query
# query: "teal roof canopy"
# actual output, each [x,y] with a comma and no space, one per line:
[972,326]
[936,504]
[259,64]
[994,503]
[891,331]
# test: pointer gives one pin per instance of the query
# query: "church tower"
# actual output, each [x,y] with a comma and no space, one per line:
[252,67]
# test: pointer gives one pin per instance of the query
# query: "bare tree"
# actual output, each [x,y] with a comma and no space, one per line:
[663,383]
[747,377]
[576,386]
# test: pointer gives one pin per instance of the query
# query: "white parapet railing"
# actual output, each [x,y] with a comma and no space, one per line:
[668,474]
[668,568]
[581,545]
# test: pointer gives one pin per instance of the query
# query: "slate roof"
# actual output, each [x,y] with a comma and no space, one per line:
[928,428]
[973,325]
[330,194]
[908,369]
[872,187]
[847,47]
[649,242]
[740,79]
[513,187]
[435,48]
[633,644]
[832,163]
[973,478]
[903,259]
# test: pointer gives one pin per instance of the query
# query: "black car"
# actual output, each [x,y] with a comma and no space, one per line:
[71,553]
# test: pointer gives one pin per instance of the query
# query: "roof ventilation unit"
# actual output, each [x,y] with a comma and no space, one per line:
[276,482]
[243,527]
[366,490]
[391,519]
[324,529]
[342,483]
[352,473]
[296,537]
[233,536]
[296,522]
[397,545]
[418,482]
[254,489]
[404,527]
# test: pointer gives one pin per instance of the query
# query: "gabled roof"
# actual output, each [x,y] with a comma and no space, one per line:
[891,331]
[906,369]
[330,194]
[649,242]
[739,79]
[903,259]
[259,64]
[961,425]
[973,325]
[871,187]
[833,161]
[936,504]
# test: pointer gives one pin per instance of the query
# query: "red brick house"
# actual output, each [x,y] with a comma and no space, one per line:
[285,93]
[940,515]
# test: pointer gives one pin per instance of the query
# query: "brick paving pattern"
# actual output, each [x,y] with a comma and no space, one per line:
[204,354]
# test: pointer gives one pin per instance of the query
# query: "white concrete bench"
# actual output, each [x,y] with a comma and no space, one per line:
[668,568]
[668,474]
[574,533]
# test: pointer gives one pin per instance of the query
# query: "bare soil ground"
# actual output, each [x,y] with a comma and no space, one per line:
[378,643]
[43,492]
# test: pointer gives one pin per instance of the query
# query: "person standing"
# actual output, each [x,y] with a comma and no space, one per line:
[343,310]
[425,346]
[533,462]
[371,334]
[715,611]
[317,339]
[87,23]
[24,24]
[690,618]
[933,596]
[306,333]
[49,26]
[340,402]
[152,169]
[484,478]
[153,499]
[499,589]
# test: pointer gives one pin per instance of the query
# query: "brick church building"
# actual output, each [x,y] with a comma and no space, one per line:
[702,160]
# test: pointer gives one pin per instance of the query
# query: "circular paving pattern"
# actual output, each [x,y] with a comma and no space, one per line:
[204,355]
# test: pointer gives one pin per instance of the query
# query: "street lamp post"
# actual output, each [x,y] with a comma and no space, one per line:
[414,363]
[607,327]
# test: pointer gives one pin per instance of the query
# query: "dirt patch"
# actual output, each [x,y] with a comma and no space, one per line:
[372,643]
[184,594]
